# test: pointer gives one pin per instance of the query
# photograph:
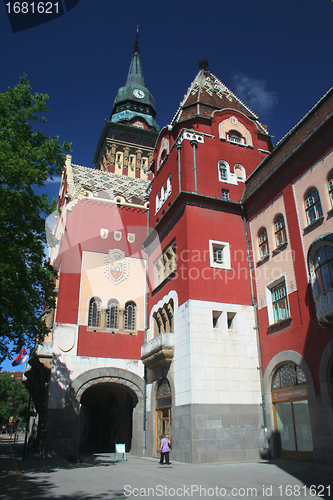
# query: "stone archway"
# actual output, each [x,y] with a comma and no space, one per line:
[103,395]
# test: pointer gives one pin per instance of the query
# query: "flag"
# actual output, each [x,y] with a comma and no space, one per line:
[21,358]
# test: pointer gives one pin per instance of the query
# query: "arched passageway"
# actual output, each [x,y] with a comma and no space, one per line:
[106,411]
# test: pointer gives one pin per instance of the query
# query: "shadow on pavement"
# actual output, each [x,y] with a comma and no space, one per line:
[317,477]
[28,479]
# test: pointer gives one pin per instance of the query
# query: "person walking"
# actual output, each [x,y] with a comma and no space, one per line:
[165,448]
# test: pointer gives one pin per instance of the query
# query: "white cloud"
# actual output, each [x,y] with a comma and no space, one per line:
[254,94]
[55,180]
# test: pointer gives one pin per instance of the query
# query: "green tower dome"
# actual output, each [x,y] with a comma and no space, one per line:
[134,102]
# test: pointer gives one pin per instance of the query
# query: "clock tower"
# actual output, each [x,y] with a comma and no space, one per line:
[128,137]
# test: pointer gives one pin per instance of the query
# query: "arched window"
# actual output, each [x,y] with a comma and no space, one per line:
[112,314]
[313,206]
[223,171]
[235,137]
[239,173]
[263,243]
[323,266]
[94,318]
[280,230]
[129,317]
[288,375]
[330,188]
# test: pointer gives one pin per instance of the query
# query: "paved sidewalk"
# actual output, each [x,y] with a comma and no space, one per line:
[99,477]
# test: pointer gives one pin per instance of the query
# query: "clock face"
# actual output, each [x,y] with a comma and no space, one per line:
[138,93]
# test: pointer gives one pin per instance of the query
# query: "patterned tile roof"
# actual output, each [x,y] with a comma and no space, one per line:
[207,94]
[84,181]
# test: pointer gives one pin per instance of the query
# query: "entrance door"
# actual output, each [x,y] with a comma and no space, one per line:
[291,413]
[163,419]
[163,413]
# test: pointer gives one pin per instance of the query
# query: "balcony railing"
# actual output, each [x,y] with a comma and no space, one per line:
[158,351]
[324,307]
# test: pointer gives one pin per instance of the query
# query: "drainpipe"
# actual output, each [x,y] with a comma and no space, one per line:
[145,340]
[194,145]
[179,148]
[254,304]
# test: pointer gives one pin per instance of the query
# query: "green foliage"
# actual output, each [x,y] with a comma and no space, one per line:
[14,399]
[27,158]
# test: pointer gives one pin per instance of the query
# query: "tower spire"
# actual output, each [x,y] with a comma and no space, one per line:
[135,73]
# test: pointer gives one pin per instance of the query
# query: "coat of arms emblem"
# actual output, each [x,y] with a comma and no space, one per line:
[116,266]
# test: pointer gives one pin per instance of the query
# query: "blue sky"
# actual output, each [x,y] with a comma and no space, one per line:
[275,55]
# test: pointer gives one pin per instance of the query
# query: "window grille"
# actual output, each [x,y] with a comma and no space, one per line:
[288,375]
[129,317]
[235,137]
[223,171]
[112,315]
[94,318]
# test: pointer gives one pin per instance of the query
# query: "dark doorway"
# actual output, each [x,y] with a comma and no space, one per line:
[105,418]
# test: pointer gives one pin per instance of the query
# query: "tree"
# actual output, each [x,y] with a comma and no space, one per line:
[14,399]
[27,159]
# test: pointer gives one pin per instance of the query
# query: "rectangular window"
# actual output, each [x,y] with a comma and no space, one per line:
[219,254]
[280,302]
[225,195]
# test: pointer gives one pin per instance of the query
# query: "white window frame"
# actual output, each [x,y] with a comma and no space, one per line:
[268,293]
[223,245]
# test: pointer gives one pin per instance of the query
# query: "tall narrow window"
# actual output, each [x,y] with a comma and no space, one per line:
[112,314]
[280,302]
[94,319]
[263,243]
[330,188]
[129,317]
[223,171]
[280,230]
[313,206]
[323,264]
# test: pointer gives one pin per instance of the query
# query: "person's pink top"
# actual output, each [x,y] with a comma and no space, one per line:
[165,445]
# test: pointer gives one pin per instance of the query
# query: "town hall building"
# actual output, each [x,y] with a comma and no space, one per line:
[195,285]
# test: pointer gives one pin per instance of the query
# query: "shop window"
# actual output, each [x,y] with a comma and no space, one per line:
[219,254]
[112,314]
[313,207]
[280,230]
[291,412]
[323,267]
[130,316]
[94,318]
[263,243]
